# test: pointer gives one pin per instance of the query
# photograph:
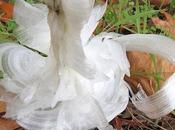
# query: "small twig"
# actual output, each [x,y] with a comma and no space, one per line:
[138,120]
[153,122]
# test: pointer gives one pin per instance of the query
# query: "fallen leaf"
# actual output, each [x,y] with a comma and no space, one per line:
[169,18]
[6,124]
[142,68]
[2,107]
[160,2]
[145,82]
[137,63]
[6,11]
[168,25]
[117,123]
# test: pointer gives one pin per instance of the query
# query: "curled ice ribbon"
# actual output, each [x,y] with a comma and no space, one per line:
[162,102]
[80,84]
[69,89]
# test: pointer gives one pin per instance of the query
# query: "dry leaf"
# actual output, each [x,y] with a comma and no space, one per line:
[169,18]
[8,124]
[141,66]
[145,82]
[2,107]
[117,123]
[168,24]
[6,11]
[140,61]
[160,2]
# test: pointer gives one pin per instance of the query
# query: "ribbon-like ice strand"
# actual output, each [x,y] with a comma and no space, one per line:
[163,101]
[88,29]
[68,116]
[33,30]
[38,96]
[74,15]
[100,62]
[104,54]
[16,65]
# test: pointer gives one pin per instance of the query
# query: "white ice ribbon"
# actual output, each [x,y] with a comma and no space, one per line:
[80,85]
[163,101]
[84,97]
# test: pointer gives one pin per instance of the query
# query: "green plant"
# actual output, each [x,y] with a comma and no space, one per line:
[130,15]
[1,75]
[172,6]
[7,31]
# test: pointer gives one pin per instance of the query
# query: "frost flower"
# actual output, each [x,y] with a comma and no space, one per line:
[79,85]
